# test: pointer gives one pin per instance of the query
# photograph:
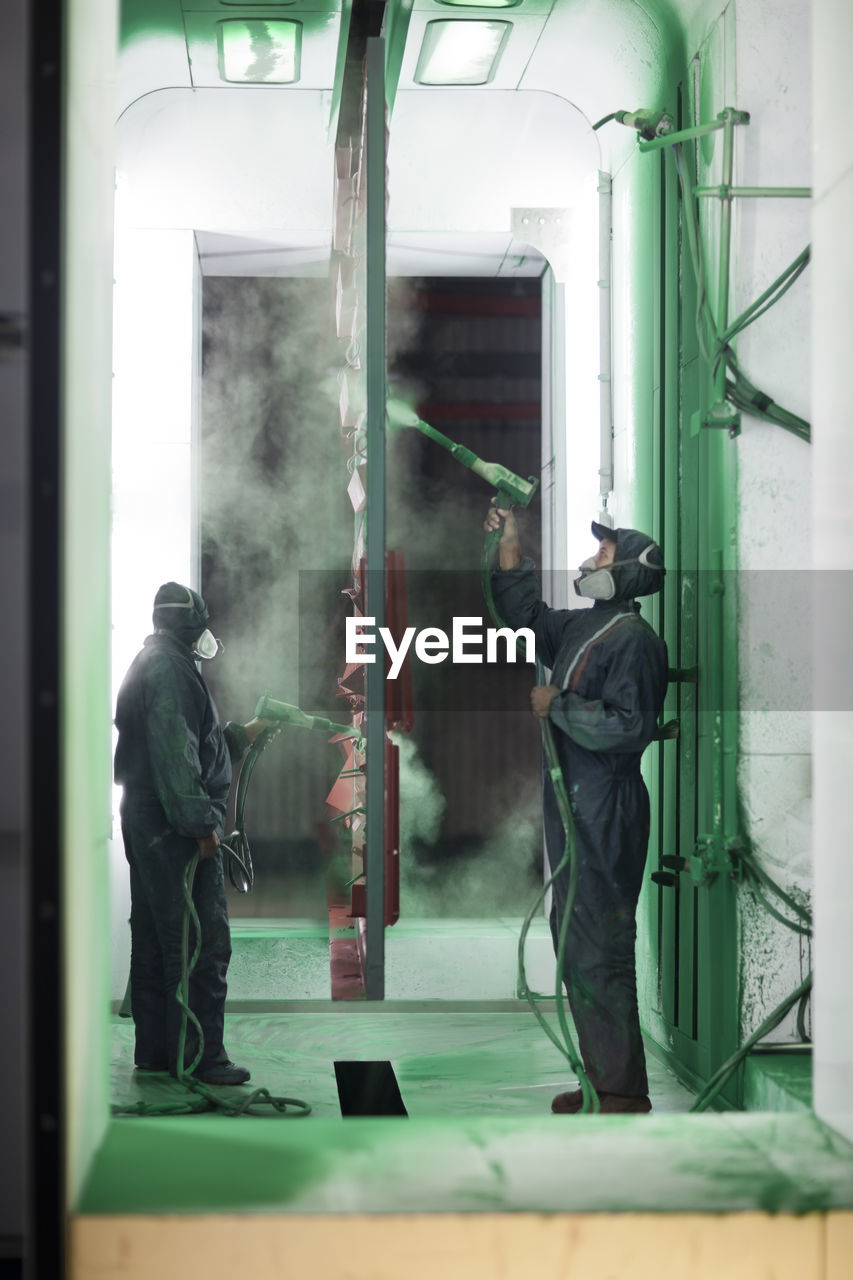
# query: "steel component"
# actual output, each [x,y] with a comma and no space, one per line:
[605,333]
[374,861]
[725,193]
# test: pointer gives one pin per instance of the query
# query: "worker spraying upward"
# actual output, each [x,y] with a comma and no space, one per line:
[608,681]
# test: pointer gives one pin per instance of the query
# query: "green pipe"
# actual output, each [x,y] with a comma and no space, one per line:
[727,117]
[568,862]
[724,192]
[782,283]
[725,252]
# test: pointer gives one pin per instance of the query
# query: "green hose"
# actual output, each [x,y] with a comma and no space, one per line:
[206,1098]
[241,871]
[569,860]
[722,1074]
[739,390]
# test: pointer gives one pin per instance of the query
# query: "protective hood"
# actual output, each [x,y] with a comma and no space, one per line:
[181,611]
[637,568]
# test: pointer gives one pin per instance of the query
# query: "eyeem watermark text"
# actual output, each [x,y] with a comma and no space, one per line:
[432,645]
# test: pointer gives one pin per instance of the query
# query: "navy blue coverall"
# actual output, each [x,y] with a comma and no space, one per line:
[173,760]
[611,670]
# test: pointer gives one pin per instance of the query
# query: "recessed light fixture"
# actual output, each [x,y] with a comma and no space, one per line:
[471,4]
[259,51]
[460,51]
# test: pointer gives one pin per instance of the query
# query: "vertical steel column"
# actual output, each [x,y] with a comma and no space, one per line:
[605,334]
[46,1191]
[374,976]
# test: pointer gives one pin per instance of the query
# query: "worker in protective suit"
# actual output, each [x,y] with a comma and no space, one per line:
[173,760]
[608,681]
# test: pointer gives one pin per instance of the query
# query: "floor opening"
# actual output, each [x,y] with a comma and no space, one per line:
[368,1089]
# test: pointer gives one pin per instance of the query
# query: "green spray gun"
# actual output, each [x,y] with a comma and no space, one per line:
[283,713]
[512,491]
[236,847]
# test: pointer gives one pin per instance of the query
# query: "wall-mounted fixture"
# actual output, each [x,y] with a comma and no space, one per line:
[460,51]
[259,51]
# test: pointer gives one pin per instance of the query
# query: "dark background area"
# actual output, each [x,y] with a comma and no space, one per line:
[466,353]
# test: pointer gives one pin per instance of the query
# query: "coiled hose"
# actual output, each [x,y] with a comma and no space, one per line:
[207,1098]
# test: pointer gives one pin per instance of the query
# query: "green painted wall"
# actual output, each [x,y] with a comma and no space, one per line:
[679,481]
[85,710]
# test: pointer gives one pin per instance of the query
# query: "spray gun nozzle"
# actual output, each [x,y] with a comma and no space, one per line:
[400,414]
[512,490]
[284,713]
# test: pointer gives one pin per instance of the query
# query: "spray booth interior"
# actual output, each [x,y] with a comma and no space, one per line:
[501,235]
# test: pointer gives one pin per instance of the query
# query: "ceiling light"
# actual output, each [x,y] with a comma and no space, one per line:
[459,51]
[257,51]
[476,4]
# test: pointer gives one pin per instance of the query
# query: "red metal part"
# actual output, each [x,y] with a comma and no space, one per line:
[392,833]
[399,715]
[358,891]
[399,701]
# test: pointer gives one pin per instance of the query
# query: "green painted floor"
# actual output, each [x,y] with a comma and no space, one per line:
[479,1136]
[458,1063]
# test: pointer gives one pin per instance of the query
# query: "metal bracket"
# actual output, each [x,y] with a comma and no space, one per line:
[722,416]
[683,675]
[708,860]
[729,116]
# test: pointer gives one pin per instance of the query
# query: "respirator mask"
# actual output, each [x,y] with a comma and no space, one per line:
[597,582]
[207,646]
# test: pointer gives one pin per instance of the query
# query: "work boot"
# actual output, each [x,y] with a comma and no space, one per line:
[610,1104]
[566,1104]
[225,1072]
[616,1104]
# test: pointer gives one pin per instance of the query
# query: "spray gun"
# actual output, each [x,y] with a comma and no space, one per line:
[512,491]
[283,713]
[236,846]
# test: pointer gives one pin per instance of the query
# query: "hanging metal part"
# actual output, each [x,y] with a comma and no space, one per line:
[375,126]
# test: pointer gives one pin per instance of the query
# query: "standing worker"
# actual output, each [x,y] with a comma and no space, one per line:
[609,677]
[174,762]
